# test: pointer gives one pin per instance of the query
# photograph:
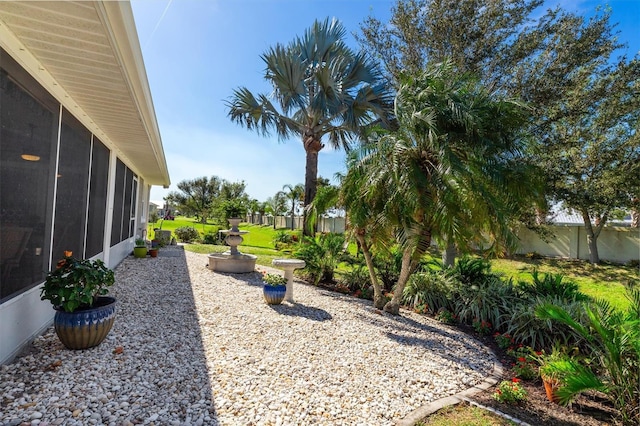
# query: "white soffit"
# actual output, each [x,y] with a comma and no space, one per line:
[88,55]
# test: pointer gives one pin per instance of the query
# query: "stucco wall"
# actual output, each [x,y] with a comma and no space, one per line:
[616,244]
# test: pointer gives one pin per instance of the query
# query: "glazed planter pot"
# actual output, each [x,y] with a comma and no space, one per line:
[140,252]
[86,328]
[274,294]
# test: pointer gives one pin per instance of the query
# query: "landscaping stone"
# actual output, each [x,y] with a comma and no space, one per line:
[191,346]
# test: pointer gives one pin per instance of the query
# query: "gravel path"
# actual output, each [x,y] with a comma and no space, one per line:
[200,347]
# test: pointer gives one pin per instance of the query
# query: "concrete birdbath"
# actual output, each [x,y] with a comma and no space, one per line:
[288,265]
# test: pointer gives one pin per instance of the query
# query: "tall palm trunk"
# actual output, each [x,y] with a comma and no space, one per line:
[312,146]
[378,299]
[410,259]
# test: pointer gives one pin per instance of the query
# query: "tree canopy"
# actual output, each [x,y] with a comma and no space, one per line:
[585,102]
[320,88]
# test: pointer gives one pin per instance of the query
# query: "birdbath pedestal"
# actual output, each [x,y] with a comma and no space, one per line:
[288,265]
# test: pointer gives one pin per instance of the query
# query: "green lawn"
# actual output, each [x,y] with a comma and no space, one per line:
[180,221]
[464,415]
[604,281]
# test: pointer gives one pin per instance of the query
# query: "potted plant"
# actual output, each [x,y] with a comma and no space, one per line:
[153,251]
[274,289]
[140,249]
[550,371]
[76,289]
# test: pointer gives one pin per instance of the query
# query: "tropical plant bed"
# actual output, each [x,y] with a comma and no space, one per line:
[587,410]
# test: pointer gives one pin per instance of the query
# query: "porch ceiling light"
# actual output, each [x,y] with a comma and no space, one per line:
[30,157]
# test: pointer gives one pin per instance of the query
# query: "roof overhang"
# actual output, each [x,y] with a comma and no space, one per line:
[88,56]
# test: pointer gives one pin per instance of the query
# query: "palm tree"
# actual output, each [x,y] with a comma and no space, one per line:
[276,205]
[295,194]
[321,87]
[365,221]
[326,198]
[451,172]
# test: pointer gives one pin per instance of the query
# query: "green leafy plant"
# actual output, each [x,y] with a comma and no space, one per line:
[503,340]
[76,283]
[321,255]
[446,317]
[470,270]
[526,368]
[187,234]
[490,299]
[140,242]
[357,279]
[482,327]
[431,288]
[529,329]
[553,285]
[510,392]
[613,338]
[273,279]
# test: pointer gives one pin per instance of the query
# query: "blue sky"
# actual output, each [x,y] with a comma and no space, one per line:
[197,51]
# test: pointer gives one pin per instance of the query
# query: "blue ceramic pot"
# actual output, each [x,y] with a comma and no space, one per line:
[87,327]
[274,294]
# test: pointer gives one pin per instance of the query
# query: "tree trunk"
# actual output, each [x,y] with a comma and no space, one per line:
[592,235]
[312,146]
[293,212]
[410,259]
[449,255]
[378,298]
[635,218]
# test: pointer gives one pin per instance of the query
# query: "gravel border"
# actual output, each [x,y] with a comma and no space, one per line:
[200,347]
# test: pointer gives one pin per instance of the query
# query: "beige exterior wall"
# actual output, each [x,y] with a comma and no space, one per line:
[615,244]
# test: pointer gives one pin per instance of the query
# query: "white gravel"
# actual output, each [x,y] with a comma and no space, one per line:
[202,348]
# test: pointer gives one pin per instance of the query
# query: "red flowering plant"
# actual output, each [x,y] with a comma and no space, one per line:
[526,368]
[446,317]
[503,340]
[510,392]
[482,327]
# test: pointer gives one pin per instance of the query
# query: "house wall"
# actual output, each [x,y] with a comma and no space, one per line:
[22,314]
[615,244]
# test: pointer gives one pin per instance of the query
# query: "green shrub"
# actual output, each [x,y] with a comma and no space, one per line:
[357,279]
[472,271]
[491,300]
[431,288]
[552,285]
[613,338]
[510,392]
[388,267]
[446,316]
[527,329]
[321,255]
[282,236]
[210,238]
[187,234]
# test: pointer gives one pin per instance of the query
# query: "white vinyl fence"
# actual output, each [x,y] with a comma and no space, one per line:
[615,243]
[325,224]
